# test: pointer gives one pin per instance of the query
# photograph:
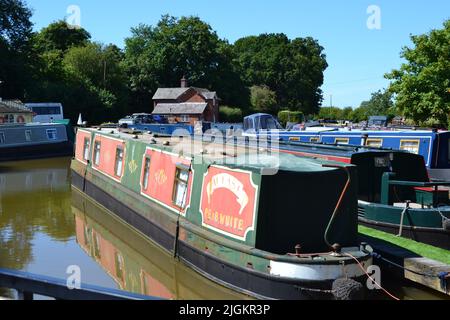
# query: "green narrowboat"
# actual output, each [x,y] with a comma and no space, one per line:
[397,196]
[269,225]
[395,192]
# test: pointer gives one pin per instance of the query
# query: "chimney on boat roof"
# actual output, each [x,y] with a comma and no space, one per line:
[184,83]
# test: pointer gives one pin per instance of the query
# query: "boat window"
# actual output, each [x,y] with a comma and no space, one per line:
[294,138]
[448,148]
[28,135]
[184,118]
[119,162]
[341,140]
[51,134]
[46,110]
[180,188]
[378,143]
[410,145]
[120,266]
[314,140]
[97,249]
[2,138]
[97,147]
[87,147]
[145,178]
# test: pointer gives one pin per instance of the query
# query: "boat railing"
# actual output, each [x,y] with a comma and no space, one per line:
[28,285]
[388,180]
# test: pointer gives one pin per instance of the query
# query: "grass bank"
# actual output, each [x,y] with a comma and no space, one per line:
[421,249]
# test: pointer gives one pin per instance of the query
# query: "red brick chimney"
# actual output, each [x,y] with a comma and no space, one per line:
[184,83]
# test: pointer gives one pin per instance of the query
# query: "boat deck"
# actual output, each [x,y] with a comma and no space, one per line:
[233,154]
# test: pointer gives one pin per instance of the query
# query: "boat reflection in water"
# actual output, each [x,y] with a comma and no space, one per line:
[134,262]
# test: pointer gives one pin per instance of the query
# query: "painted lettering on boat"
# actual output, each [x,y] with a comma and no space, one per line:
[228,202]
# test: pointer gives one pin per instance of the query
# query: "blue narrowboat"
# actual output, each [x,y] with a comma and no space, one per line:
[433,145]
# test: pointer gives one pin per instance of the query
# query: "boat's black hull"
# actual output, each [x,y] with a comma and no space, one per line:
[36,151]
[432,236]
[243,280]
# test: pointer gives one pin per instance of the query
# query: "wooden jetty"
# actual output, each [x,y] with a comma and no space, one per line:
[403,263]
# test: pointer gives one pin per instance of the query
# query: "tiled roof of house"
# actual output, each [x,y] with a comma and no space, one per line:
[180,108]
[169,93]
[13,107]
[175,93]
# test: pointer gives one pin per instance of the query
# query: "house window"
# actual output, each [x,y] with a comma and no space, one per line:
[97,147]
[341,141]
[145,178]
[119,162]
[180,187]
[28,135]
[87,147]
[2,138]
[314,140]
[51,134]
[410,145]
[377,143]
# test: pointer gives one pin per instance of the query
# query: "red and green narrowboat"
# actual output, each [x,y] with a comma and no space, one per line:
[272,226]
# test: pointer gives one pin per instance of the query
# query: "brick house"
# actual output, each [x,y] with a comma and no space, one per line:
[14,111]
[186,104]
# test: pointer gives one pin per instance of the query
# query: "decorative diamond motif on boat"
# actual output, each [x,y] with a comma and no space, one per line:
[132,166]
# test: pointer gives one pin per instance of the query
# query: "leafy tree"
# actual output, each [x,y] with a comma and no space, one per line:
[15,33]
[379,104]
[292,68]
[98,69]
[231,114]
[160,56]
[59,36]
[331,113]
[347,113]
[263,99]
[422,85]
[286,116]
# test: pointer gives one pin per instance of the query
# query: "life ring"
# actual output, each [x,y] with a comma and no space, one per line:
[20,119]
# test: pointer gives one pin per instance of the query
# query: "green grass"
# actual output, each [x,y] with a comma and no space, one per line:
[421,249]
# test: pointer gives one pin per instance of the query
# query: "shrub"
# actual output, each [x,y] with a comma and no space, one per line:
[230,114]
[290,116]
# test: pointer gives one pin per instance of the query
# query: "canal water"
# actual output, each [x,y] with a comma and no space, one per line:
[45,227]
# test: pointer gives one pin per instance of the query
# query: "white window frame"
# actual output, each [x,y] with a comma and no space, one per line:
[54,134]
[28,135]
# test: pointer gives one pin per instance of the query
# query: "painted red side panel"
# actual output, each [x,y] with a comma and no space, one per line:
[108,155]
[228,202]
[79,151]
[161,182]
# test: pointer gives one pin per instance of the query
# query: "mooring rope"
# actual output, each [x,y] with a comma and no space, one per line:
[378,256]
[373,280]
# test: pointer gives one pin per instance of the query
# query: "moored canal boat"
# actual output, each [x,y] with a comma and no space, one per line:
[395,192]
[227,215]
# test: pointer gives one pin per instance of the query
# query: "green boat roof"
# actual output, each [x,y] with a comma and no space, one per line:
[205,152]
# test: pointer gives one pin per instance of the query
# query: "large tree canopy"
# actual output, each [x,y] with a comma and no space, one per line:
[422,84]
[292,68]
[15,33]
[59,36]
[160,56]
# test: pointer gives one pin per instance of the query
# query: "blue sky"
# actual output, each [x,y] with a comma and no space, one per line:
[357,56]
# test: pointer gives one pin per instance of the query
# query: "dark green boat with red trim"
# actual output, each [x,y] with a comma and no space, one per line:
[267,224]
[395,192]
